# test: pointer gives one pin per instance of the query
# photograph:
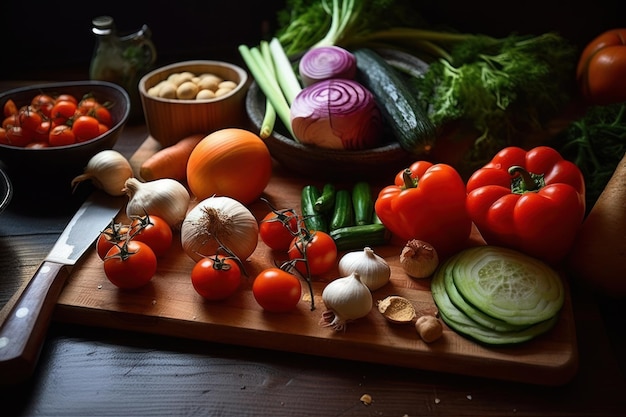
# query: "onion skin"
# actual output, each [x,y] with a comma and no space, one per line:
[337,114]
[326,62]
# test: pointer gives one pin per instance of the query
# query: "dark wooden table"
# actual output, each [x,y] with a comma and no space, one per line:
[103,372]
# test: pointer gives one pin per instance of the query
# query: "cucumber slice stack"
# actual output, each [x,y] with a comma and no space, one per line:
[496,295]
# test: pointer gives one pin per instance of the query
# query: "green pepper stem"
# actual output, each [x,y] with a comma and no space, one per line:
[527,181]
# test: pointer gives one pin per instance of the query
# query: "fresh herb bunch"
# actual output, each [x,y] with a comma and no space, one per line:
[303,24]
[504,88]
[596,143]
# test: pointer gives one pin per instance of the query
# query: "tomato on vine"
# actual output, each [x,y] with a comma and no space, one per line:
[276,290]
[316,249]
[278,228]
[153,231]
[114,234]
[130,265]
[217,277]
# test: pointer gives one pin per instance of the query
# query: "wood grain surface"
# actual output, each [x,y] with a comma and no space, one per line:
[169,305]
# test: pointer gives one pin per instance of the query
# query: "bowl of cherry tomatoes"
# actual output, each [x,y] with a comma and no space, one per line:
[50,131]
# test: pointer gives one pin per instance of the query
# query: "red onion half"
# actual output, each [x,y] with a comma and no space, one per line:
[326,62]
[336,114]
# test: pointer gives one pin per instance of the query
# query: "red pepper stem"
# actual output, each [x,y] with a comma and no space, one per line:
[527,181]
[409,182]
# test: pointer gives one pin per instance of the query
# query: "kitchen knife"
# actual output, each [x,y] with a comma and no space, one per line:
[23,331]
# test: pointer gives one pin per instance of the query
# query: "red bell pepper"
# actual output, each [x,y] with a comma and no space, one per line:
[427,202]
[531,201]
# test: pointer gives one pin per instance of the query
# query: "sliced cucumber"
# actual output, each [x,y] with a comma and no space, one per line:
[511,283]
[508,285]
[477,315]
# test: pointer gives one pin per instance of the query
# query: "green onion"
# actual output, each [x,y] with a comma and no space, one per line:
[269,118]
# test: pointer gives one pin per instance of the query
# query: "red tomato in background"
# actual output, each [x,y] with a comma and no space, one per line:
[153,231]
[85,128]
[276,290]
[43,103]
[131,265]
[216,278]
[321,252]
[16,136]
[277,229]
[61,135]
[29,118]
[62,111]
[602,68]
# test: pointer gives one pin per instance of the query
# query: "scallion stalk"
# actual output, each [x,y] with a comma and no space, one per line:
[268,84]
[288,80]
[269,118]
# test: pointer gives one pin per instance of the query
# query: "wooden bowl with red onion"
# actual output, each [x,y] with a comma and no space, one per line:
[341,133]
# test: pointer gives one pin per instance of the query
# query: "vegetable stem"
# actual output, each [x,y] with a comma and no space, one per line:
[284,72]
[269,118]
[268,84]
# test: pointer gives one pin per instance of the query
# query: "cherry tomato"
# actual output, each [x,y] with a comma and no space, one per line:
[43,103]
[29,118]
[11,120]
[38,145]
[321,252]
[42,132]
[278,228]
[62,111]
[114,234]
[85,128]
[3,136]
[154,232]
[276,290]
[601,68]
[61,135]
[67,97]
[10,108]
[131,265]
[216,278]
[16,136]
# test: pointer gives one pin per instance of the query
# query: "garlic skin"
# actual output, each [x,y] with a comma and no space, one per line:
[108,170]
[165,198]
[218,220]
[346,299]
[373,270]
[419,259]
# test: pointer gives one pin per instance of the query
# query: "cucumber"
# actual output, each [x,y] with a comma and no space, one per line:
[326,201]
[358,237]
[400,108]
[496,295]
[343,213]
[362,203]
[313,220]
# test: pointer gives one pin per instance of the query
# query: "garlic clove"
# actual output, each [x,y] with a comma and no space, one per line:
[108,170]
[165,198]
[397,309]
[346,299]
[373,270]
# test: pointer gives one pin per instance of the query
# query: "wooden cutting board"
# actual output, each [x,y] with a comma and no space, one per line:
[169,306]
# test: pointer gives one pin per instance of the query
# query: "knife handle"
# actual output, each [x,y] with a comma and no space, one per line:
[23,331]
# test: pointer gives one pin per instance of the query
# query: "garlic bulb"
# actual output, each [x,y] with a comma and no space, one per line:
[373,269]
[107,170]
[346,299]
[219,220]
[165,198]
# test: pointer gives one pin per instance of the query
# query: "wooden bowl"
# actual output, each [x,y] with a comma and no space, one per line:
[170,120]
[383,162]
[45,174]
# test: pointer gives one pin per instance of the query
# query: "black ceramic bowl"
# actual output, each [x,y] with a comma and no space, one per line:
[327,164]
[45,174]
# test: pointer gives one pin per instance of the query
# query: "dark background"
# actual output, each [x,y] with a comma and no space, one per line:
[52,40]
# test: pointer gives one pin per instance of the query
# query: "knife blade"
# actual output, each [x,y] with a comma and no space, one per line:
[23,331]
